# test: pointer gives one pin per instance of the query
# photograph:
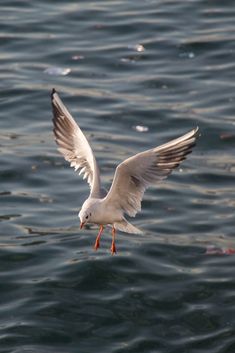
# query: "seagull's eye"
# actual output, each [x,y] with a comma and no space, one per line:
[86,217]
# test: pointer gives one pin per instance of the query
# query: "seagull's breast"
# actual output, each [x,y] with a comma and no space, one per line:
[104,214]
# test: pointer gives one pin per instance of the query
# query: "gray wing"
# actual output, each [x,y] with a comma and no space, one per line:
[136,173]
[73,144]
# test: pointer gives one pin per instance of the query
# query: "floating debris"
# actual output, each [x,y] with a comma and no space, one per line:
[141,128]
[213,250]
[45,199]
[189,55]
[57,71]
[130,59]
[227,136]
[78,57]
[137,47]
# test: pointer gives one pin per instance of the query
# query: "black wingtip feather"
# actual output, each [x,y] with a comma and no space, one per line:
[53,91]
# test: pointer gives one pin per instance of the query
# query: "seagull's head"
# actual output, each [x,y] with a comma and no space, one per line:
[84,217]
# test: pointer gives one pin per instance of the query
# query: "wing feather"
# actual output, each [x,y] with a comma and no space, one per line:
[73,145]
[136,173]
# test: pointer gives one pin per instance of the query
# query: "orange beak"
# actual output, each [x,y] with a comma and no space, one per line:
[82,225]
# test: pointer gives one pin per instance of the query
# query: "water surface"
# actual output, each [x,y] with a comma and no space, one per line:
[171,289]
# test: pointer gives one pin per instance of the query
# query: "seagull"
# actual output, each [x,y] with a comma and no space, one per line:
[132,177]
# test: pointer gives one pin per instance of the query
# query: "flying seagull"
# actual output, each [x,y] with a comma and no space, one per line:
[131,177]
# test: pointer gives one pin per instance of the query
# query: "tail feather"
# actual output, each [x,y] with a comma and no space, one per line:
[127,227]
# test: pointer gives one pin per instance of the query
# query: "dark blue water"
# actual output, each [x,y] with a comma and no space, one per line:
[164,65]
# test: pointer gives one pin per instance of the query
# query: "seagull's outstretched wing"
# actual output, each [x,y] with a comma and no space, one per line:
[73,144]
[136,173]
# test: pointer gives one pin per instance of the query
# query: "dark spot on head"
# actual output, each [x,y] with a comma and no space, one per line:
[90,214]
[86,217]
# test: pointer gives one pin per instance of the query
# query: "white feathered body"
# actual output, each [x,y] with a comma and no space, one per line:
[132,177]
[101,212]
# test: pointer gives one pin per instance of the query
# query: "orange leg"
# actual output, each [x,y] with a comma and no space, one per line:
[97,242]
[113,247]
